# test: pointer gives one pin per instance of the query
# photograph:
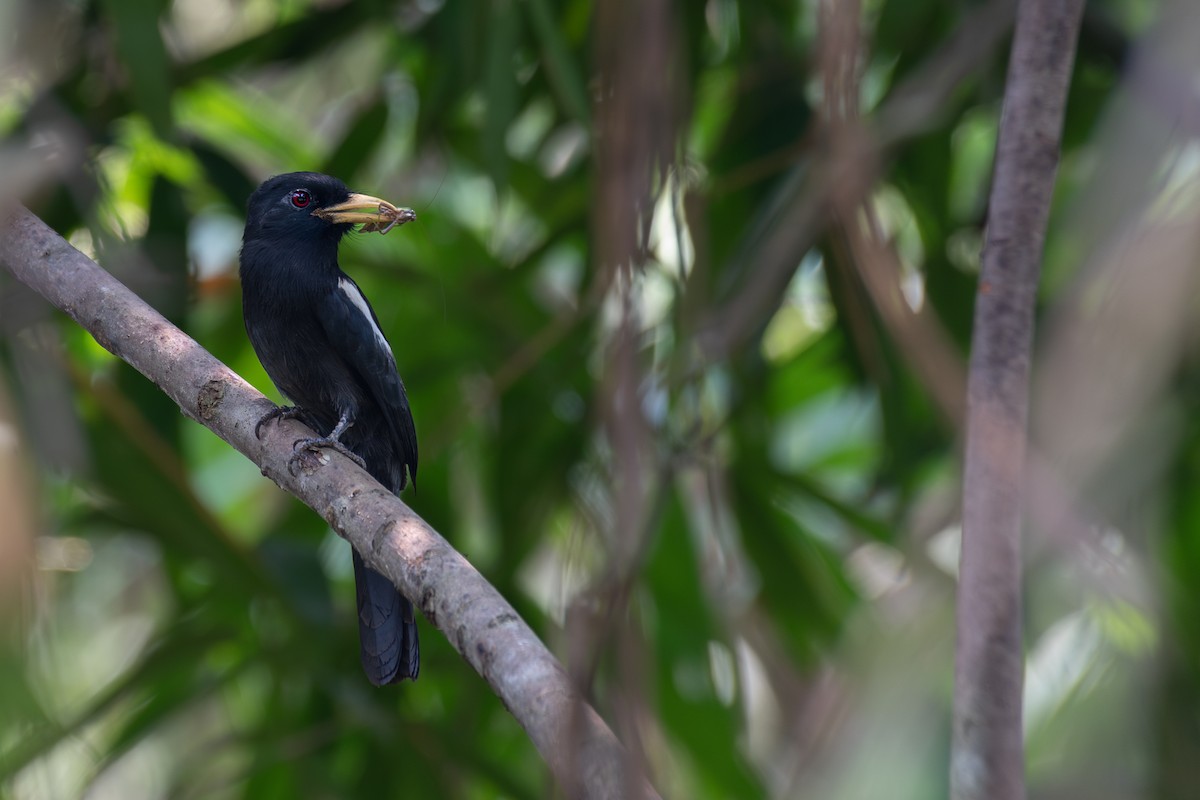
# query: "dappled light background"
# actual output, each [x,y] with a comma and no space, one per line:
[684,320]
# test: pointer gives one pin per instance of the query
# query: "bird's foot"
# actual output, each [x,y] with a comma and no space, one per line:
[308,451]
[277,413]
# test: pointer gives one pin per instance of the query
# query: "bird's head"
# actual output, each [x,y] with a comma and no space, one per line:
[310,207]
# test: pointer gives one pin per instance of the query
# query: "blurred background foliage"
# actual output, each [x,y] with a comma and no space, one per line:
[781,622]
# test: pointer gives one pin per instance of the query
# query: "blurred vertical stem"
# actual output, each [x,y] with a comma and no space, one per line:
[635,115]
[987,759]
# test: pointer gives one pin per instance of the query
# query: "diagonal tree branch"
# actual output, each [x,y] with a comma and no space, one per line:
[987,758]
[800,209]
[584,755]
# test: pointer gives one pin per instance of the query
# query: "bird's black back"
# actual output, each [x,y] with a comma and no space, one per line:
[321,344]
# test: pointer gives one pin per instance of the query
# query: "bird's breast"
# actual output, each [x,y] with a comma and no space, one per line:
[288,336]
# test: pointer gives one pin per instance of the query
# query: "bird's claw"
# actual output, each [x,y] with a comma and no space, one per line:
[305,449]
[280,413]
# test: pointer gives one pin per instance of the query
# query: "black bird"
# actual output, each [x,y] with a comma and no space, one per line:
[320,342]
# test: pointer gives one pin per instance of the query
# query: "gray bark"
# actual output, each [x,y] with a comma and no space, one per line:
[987,759]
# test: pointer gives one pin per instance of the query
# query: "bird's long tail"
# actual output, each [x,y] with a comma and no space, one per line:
[387,628]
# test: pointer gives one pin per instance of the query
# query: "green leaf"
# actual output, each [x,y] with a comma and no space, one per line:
[177,653]
[694,714]
[500,89]
[362,137]
[141,49]
[560,66]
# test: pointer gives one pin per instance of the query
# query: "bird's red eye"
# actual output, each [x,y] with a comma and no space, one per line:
[301,198]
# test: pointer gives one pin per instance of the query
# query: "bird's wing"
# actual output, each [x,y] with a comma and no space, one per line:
[354,332]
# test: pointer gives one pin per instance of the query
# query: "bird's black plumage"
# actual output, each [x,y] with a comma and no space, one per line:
[320,342]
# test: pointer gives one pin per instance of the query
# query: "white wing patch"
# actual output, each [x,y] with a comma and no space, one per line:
[356,297]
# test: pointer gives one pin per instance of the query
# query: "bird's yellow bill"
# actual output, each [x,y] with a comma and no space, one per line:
[371,212]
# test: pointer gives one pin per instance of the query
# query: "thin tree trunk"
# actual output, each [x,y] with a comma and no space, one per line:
[987,759]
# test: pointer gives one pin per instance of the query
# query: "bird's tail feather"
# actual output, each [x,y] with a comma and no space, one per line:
[387,628]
